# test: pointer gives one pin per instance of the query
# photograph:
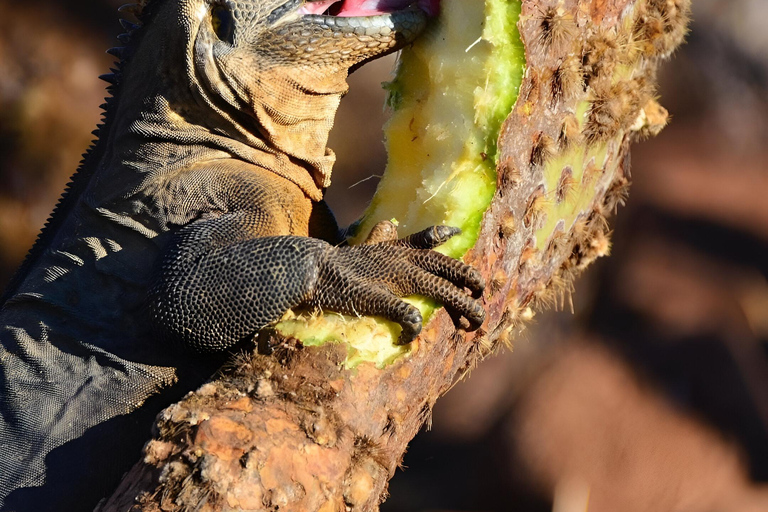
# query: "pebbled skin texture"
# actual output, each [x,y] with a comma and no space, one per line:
[196,219]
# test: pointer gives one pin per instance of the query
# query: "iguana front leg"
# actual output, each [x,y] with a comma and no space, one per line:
[218,285]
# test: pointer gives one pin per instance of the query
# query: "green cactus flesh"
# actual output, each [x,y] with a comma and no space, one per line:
[453,89]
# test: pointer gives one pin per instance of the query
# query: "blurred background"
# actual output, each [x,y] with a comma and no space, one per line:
[652,396]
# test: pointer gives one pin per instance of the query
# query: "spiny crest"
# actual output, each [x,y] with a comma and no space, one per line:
[139,11]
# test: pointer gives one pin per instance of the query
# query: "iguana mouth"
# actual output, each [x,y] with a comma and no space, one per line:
[365,8]
[371,17]
[403,19]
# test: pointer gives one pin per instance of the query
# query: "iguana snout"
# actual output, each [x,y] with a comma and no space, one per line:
[351,31]
[321,32]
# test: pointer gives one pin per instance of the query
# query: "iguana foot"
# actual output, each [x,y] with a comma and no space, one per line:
[370,279]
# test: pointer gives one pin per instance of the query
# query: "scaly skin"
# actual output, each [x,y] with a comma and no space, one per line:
[190,223]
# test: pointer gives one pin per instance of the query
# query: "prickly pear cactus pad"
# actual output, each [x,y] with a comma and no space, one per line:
[529,173]
[588,92]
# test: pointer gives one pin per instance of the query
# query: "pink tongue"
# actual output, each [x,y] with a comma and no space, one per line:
[374,7]
[351,8]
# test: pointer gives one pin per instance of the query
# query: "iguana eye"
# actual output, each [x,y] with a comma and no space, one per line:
[223,23]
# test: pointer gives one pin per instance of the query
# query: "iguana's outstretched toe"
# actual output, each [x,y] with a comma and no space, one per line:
[370,279]
[429,238]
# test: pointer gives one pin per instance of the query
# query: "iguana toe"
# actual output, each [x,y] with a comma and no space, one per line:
[429,238]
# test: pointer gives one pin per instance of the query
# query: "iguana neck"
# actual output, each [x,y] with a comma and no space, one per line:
[279,120]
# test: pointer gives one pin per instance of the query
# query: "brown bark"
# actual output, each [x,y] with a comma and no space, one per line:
[297,431]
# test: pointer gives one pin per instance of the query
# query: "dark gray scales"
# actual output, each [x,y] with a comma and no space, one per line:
[196,220]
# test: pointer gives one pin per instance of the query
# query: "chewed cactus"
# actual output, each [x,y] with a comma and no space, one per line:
[592,91]
[453,89]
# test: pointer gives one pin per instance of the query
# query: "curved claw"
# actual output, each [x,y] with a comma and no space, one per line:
[411,325]
[476,317]
[475,283]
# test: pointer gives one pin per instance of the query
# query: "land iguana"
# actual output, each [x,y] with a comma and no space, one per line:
[196,219]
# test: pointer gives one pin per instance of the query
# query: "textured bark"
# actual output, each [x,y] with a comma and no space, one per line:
[295,430]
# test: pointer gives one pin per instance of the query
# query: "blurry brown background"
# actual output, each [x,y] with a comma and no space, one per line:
[653,396]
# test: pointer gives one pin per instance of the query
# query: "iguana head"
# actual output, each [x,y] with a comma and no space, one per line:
[267,73]
[241,38]
[315,43]
[335,32]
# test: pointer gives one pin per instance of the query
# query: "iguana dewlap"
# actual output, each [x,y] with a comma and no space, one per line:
[195,220]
